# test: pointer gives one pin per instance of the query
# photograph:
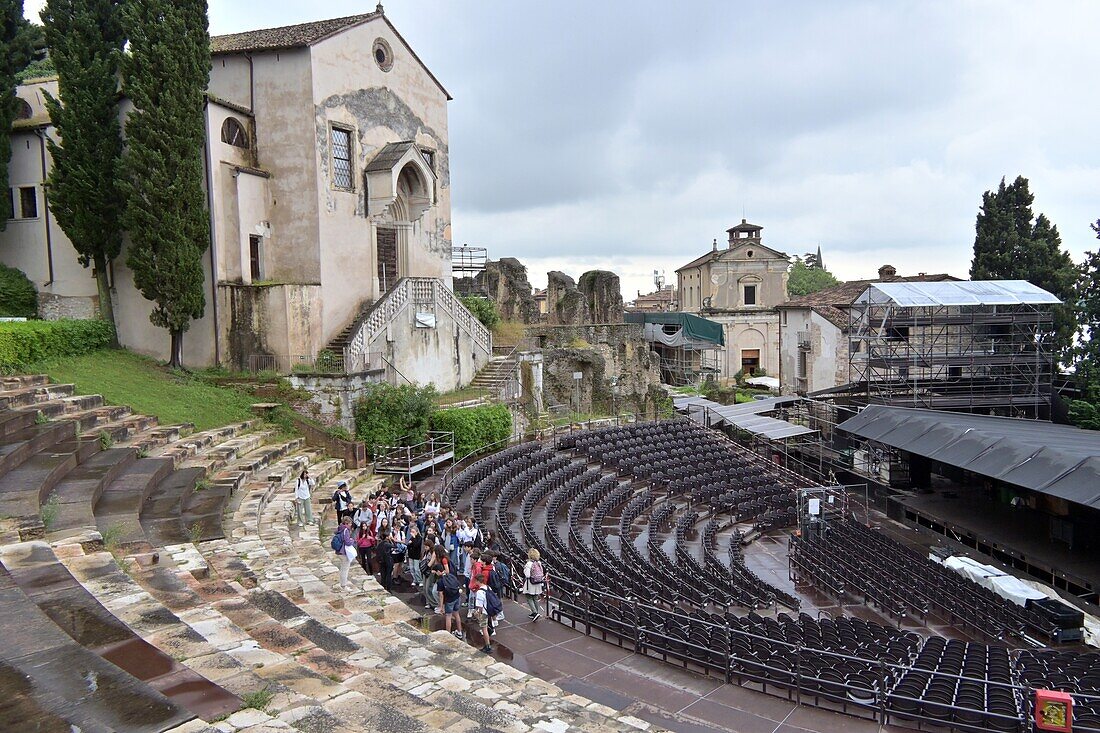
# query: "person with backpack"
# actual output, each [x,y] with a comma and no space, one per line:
[345,550]
[302,495]
[450,599]
[482,616]
[534,578]
[342,501]
[499,581]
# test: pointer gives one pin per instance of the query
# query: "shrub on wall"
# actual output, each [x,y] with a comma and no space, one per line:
[485,309]
[475,428]
[389,415]
[27,342]
[18,297]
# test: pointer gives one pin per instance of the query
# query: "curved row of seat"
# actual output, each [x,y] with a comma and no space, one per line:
[642,582]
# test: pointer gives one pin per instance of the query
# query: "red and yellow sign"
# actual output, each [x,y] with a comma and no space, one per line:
[1053,711]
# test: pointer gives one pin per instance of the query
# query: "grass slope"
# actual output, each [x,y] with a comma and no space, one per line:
[124,378]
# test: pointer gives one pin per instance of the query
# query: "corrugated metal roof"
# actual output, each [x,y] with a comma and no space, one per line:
[1058,460]
[961,293]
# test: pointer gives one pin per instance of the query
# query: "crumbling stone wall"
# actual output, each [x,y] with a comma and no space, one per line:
[603,297]
[619,371]
[565,306]
[505,281]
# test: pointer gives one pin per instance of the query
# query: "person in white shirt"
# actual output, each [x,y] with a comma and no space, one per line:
[481,616]
[302,495]
[363,515]
[466,534]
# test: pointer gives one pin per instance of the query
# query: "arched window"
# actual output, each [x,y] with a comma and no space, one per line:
[23,110]
[233,133]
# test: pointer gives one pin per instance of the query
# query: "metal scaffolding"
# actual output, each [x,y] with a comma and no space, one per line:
[968,346]
[467,264]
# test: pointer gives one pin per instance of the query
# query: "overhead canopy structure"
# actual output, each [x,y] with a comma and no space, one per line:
[679,329]
[958,293]
[745,416]
[1057,460]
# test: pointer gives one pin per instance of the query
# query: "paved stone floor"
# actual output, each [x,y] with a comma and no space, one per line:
[665,695]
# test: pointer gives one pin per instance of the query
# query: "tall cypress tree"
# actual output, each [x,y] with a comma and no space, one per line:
[15,53]
[165,75]
[1012,244]
[86,40]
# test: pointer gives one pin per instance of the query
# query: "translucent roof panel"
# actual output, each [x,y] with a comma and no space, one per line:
[966,292]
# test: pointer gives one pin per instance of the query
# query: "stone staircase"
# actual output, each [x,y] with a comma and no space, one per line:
[494,375]
[157,584]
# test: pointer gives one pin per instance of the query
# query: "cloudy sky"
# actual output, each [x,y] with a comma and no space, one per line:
[629,134]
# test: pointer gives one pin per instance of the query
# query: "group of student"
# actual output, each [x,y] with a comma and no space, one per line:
[447,556]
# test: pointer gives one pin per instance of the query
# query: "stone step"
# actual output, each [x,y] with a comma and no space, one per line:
[47,666]
[27,396]
[123,430]
[25,489]
[81,488]
[118,511]
[18,447]
[160,512]
[18,381]
[191,445]
[49,584]
[53,409]
[158,436]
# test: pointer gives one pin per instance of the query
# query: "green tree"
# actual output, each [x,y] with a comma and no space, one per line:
[86,41]
[165,75]
[804,279]
[16,51]
[1087,303]
[1012,244]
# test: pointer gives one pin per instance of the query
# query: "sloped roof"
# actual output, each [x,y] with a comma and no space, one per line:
[830,303]
[744,226]
[307,34]
[287,36]
[1058,460]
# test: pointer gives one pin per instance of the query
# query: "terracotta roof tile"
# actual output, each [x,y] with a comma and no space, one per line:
[287,36]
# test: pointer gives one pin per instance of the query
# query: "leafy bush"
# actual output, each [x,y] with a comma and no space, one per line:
[485,309]
[388,415]
[18,297]
[24,343]
[475,428]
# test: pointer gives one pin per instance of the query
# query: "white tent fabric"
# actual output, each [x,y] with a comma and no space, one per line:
[987,576]
[966,292]
[767,382]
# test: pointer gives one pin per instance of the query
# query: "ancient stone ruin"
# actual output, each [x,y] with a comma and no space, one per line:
[505,281]
[602,296]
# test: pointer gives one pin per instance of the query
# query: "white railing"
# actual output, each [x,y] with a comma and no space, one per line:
[423,292]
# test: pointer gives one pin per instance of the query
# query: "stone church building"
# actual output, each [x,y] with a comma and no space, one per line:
[328,188]
[739,286]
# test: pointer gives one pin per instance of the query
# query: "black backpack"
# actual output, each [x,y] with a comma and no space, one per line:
[451,587]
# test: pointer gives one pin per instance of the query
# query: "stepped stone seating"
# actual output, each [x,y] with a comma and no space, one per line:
[49,584]
[53,677]
[156,581]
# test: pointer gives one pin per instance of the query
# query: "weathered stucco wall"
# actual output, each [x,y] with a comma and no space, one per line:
[268,320]
[334,397]
[444,355]
[380,107]
[826,359]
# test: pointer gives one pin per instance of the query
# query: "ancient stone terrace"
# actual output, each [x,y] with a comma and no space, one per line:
[156,585]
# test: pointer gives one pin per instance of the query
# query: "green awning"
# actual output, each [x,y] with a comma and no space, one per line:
[692,327]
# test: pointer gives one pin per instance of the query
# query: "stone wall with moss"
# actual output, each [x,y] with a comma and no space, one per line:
[619,371]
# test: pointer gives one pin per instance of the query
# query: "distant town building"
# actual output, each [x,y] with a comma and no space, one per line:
[739,286]
[659,301]
[813,342]
[540,300]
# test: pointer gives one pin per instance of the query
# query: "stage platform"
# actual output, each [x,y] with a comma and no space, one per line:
[1007,534]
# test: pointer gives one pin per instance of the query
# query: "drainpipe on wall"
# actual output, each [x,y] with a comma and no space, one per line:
[46,204]
[213,242]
